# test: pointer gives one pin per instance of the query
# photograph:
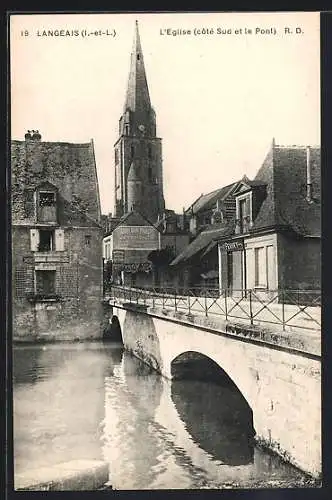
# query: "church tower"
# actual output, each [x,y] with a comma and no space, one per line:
[137,152]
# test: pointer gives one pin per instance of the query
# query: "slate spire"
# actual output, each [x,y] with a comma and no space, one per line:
[137,97]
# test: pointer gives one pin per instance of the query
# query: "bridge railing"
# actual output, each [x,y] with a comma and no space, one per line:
[290,309]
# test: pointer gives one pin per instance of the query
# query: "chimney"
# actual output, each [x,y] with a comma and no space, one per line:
[309,183]
[32,135]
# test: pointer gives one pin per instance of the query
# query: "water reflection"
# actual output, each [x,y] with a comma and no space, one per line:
[209,414]
[215,413]
[58,403]
[96,401]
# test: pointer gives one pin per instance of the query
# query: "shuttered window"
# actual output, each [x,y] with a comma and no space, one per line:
[45,240]
[59,240]
[34,240]
[260,267]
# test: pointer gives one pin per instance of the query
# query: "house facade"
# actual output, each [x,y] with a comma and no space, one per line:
[140,251]
[128,247]
[210,217]
[276,243]
[56,240]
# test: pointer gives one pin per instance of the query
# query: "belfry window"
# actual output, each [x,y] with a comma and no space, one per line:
[150,174]
[132,151]
[137,57]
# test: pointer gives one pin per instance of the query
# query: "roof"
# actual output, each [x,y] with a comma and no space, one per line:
[284,170]
[133,218]
[202,241]
[70,167]
[137,96]
[205,201]
[133,173]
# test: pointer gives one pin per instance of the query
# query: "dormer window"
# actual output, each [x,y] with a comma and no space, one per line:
[244,212]
[46,199]
[46,206]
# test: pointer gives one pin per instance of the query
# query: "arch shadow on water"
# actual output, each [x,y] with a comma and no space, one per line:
[112,331]
[214,411]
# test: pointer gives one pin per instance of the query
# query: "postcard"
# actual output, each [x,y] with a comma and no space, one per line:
[166,250]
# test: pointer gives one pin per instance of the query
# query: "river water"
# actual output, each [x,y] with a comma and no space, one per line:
[95,401]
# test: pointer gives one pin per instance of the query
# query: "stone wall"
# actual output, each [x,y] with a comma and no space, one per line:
[77,314]
[299,263]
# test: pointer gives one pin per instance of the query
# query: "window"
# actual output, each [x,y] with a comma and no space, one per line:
[87,240]
[46,199]
[45,282]
[127,129]
[46,240]
[149,152]
[116,156]
[47,206]
[150,174]
[244,215]
[270,266]
[132,151]
[260,267]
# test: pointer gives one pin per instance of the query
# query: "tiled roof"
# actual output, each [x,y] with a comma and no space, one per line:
[201,242]
[133,218]
[285,172]
[205,201]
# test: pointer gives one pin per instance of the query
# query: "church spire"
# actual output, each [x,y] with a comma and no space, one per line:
[138,151]
[137,97]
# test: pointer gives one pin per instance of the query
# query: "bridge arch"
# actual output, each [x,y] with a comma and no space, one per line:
[212,403]
[201,366]
[113,331]
[241,376]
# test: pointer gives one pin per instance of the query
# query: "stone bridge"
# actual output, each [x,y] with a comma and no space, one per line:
[279,374]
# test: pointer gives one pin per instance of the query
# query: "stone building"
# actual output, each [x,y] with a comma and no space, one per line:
[141,225]
[276,242]
[209,217]
[267,236]
[56,240]
[137,152]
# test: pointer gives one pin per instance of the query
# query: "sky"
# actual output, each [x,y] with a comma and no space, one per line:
[220,97]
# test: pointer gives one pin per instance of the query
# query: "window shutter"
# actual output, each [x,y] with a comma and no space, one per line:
[59,240]
[34,239]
